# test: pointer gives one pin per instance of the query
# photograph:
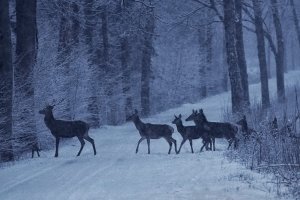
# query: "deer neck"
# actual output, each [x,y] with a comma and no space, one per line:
[49,119]
[180,128]
[138,124]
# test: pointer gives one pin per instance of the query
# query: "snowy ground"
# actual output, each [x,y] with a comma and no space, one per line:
[118,173]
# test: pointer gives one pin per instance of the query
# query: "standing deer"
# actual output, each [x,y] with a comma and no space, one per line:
[66,129]
[190,133]
[152,131]
[215,129]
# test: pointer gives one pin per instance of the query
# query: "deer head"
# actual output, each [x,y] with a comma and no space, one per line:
[133,117]
[177,120]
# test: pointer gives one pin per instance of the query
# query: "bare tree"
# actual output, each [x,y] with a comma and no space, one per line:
[259,30]
[6,84]
[26,53]
[296,20]
[237,93]
[279,58]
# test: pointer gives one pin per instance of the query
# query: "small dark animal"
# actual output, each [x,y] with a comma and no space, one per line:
[247,132]
[66,129]
[215,129]
[190,133]
[152,131]
[35,148]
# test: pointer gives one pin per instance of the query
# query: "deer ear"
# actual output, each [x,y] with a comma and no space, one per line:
[175,116]
[135,111]
[201,110]
[179,116]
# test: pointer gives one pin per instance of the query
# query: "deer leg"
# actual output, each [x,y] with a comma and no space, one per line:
[37,151]
[191,144]
[32,153]
[89,139]
[56,146]
[214,143]
[229,143]
[170,144]
[148,143]
[182,142]
[204,141]
[175,144]
[81,140]
[138,144]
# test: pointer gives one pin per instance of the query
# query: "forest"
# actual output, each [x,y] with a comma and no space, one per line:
[103,61]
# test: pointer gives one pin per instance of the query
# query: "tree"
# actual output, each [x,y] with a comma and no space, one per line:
[237,93]
[26,53]
[240,49]
[94,65]
[147,51]
[296,20]
[259,30]
[6,84]
[279,58]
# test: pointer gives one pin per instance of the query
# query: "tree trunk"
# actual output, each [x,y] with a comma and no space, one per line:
[202,65]
[6,84]
[63,59]
[93,101]
[237,93]
[280,52]
[225,67]
[26,53]
[146,64]
[261,54]
[126,76]
[296,20]
[240,49]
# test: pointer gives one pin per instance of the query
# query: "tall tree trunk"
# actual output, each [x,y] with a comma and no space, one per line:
[6,84]
[240,49]
[237,93]
[146,64]
[280,52]
[26,52]
[209,53]
[202,65]
[225,67]
[261,54]
[296,20]
[63,59]
[93,101]
[126,76]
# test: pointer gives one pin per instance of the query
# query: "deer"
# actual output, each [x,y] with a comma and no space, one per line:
[66,129]
[152,131]
[190,133]
[215,129]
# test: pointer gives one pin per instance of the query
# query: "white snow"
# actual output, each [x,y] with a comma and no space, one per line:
[116,172]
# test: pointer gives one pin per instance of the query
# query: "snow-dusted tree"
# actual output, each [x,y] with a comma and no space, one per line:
[26,53]
[6,84]
[296,20]
[237,92]
[93,63]
[259,30]
[147,52]
[279,58]
[240,49]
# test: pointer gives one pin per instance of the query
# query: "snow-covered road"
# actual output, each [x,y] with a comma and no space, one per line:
[118,173]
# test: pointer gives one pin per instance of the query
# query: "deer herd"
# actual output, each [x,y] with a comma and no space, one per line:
[203,129]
